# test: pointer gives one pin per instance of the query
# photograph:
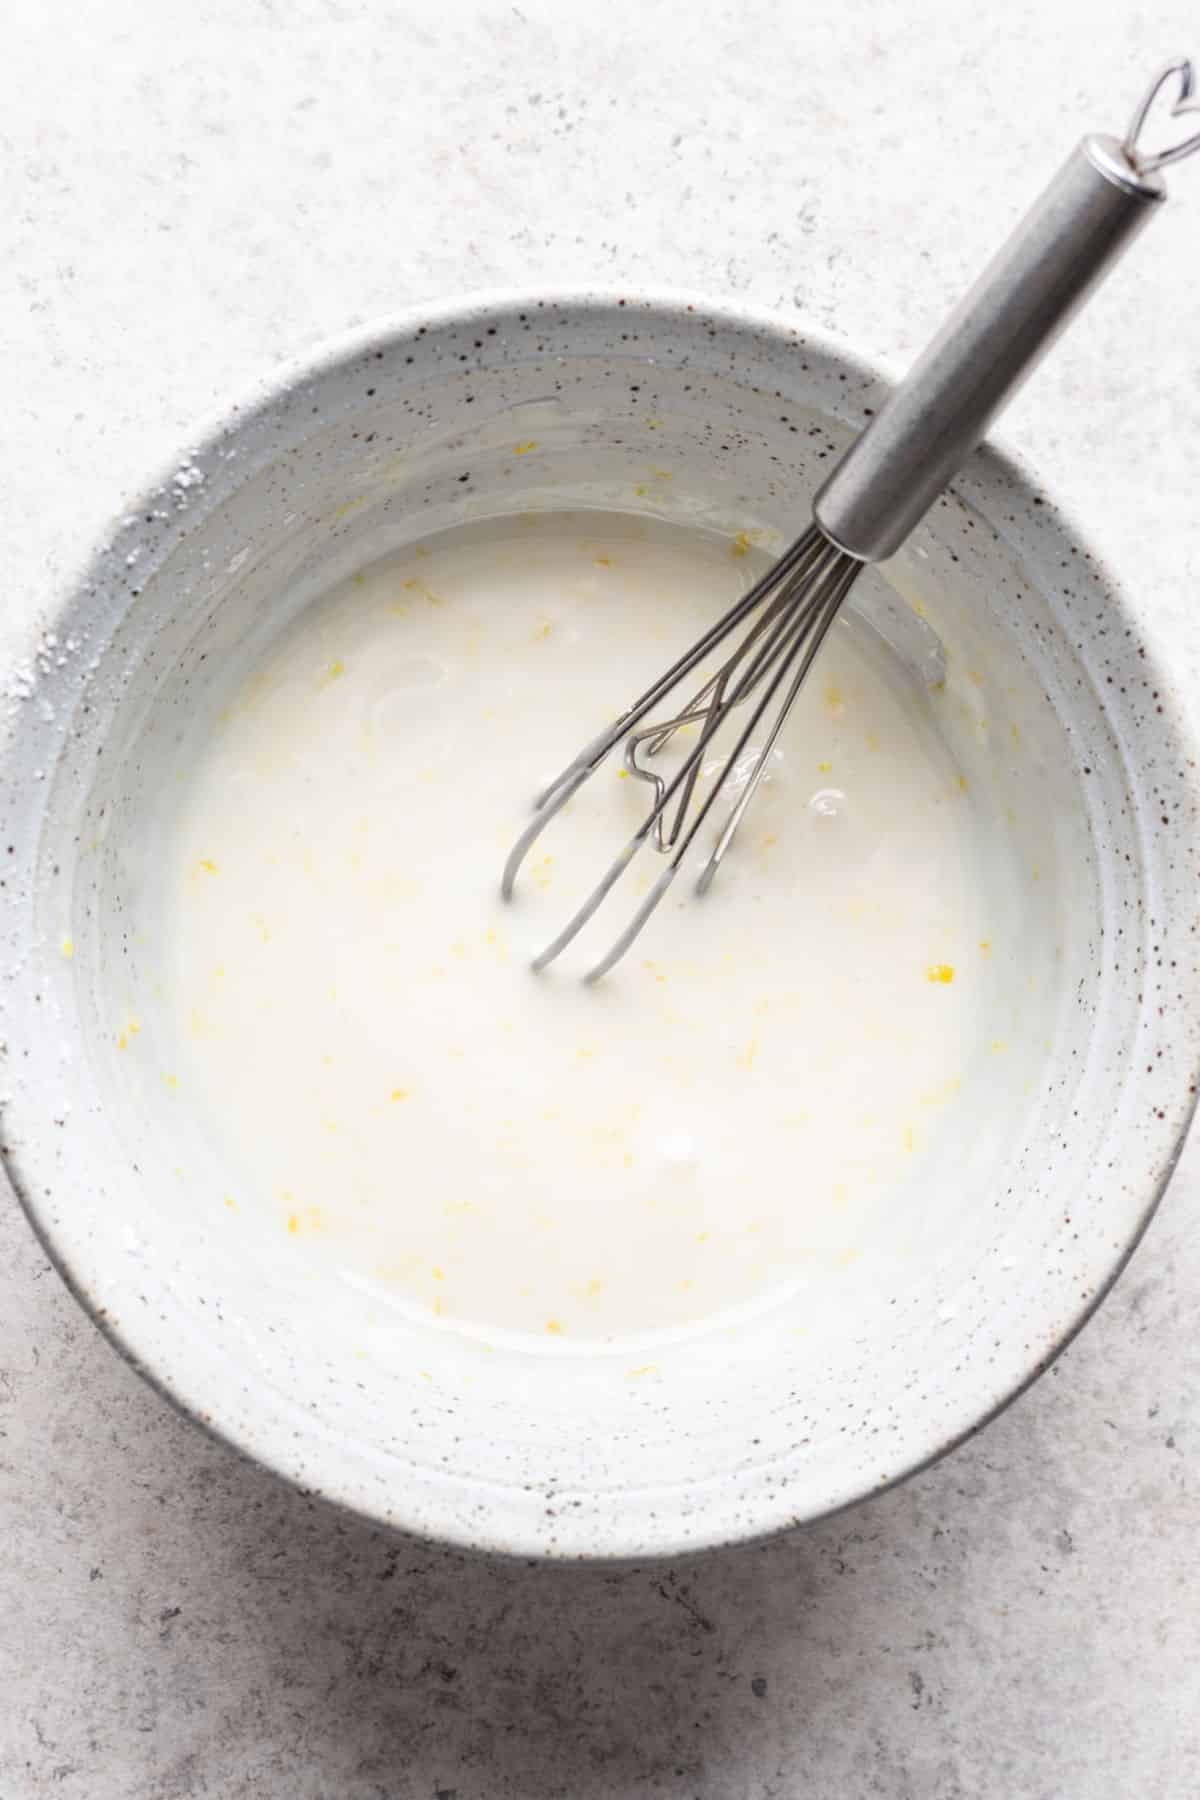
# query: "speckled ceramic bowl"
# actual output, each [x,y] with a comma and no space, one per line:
[1043,1187]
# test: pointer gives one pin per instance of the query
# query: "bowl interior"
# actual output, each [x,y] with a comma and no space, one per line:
[1045,1165]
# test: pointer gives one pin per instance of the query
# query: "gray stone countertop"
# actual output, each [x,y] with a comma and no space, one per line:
[195,192]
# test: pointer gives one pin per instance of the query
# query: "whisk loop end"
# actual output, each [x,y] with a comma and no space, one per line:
[787,615]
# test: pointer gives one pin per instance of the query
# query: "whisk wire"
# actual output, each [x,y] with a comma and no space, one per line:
[798,600]
[843,582]
[797,642]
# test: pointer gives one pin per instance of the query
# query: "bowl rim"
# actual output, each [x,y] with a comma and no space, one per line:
[266,396]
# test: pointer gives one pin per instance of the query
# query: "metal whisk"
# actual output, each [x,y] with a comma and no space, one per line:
[880,489]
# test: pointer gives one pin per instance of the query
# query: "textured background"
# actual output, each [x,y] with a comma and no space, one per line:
[194,192]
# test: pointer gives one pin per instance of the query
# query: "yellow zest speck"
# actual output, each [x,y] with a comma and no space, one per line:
[524,449]
[622,774]
[207,864]
[553,1327]
[740,544]
[746,1057]
[962,782]
[605,562]
[943,972]
[985,944]
[593,1287]
[872,741]
[545,628]
[418,587]
[294,1223]
[824,768]
[399,1094]
[336,669]
[1016,736]
[769,840]
[646,1369]
[909,1139]
[439,1306]
[171,1081]
[662,474]
[230,1202]
[439,1274]
[998,1044]
[68,947]
[918,608]
[641,489]
[834,699]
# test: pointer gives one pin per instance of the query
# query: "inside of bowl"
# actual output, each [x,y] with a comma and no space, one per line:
[716,1430]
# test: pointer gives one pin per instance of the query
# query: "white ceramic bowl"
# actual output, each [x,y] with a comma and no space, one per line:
[1042,1186]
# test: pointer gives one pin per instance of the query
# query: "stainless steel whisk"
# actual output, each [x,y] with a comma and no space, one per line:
[879,490]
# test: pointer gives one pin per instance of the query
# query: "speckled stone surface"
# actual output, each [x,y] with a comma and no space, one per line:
[192,194]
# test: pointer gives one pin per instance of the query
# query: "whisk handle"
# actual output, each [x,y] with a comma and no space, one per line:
[887,480]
